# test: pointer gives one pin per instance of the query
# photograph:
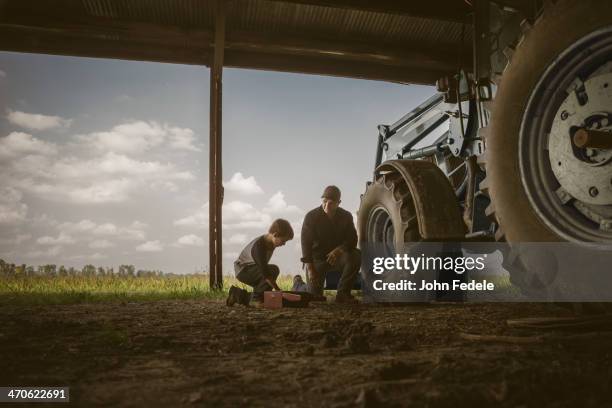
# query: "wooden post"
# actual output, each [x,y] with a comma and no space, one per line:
[215,169]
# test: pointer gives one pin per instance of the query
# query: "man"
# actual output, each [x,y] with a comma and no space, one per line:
[329,241]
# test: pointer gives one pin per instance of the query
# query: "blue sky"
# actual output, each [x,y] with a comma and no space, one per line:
[106,161]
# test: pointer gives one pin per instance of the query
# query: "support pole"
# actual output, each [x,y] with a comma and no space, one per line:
[215,169]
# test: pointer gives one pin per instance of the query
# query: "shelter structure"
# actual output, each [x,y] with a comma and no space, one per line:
[399,41]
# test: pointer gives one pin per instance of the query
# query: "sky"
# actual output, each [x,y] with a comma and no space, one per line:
[105,162]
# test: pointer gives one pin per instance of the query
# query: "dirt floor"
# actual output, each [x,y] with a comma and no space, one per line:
[202,353]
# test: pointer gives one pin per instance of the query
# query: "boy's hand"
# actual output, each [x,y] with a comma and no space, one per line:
[333,256]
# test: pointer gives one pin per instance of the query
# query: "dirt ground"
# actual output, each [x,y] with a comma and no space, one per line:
[202,353]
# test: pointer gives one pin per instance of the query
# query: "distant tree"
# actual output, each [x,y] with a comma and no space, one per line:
[30,271]
[4,268]
[89,270]
[72,271]
[127,270]
[50,270]
[62,271]
[122,270]
[101,271]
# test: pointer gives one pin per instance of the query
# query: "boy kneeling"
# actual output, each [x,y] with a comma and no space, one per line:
[252,266]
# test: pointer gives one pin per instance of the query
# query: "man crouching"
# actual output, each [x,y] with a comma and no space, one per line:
[252,267]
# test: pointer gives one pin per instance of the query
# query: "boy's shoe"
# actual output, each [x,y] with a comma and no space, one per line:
[237,295]
[233,296]
[346,298]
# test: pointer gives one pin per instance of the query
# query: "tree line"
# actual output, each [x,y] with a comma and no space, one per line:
[10,269]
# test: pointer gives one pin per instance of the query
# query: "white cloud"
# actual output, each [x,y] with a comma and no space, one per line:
[198,219]
[92,257]
[150,246]
[240,184]
[138,225]
[139,136]
[89,228]
[190,240]
[20,144]
[236,215]
[61,239]
[12,210]
[278,206]
[236,239]
[20,238]
[111,191]
[51,252]
[112,178]
[81,226]
[101,244]
[182,139]
[113,164]
[230,255]
[130,137]
[36,121]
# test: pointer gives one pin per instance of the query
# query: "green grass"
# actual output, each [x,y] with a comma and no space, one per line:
[85,289]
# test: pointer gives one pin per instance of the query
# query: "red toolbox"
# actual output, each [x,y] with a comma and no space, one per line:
[277,300]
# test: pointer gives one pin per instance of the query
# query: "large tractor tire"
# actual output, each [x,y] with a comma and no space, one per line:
[559,79]
[387,214]
[409,201]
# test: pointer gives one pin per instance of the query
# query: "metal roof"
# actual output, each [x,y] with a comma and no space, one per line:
[402,41]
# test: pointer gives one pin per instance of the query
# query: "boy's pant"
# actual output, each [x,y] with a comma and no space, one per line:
[251,275]
[349,264]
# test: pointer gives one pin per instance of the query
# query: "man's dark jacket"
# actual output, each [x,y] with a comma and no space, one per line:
[322,234]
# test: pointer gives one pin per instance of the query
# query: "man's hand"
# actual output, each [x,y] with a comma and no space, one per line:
[333,256]
[273,284]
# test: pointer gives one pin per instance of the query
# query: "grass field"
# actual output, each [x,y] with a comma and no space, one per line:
[81,289]
[32,290]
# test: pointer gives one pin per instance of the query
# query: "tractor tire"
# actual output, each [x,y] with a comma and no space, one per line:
[559,27]
[387,214]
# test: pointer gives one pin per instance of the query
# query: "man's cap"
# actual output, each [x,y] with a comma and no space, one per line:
[331,192]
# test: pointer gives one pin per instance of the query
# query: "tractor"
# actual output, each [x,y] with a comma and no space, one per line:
[516,146]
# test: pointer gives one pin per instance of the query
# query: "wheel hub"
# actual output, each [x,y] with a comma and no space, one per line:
[585,173]
[565,159]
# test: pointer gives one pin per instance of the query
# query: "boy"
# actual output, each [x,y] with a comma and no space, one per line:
[252,266]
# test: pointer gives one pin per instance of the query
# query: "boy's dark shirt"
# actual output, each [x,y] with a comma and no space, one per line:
[322,234]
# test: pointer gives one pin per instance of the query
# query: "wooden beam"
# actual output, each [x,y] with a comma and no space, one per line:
[245,50]
[47,41]
[443,56]
[320,66]
[215,168]
[439,56]
[445,10]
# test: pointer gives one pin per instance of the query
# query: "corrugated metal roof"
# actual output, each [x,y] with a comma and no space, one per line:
[118,20]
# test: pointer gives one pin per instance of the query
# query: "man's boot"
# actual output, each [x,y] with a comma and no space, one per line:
[346,298]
